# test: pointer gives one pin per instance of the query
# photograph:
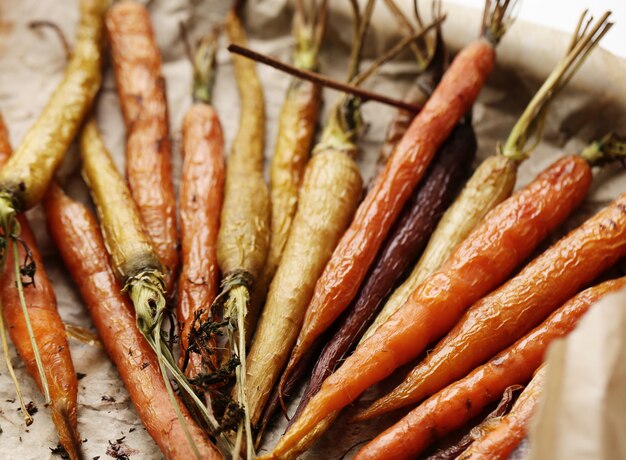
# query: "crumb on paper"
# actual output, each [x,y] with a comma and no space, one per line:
[120,450]
[31,408]
[60,451]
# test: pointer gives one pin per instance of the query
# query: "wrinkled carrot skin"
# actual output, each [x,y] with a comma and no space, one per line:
[357,249]
[141,89]
[507,236]
[506,314]
[200,201]
[80,243]
[243,239]
[403,246]
[48,329]
[461,401]
[329,197]
[298,119]
[503,438]
[29,171]
[128,243]
[492,182]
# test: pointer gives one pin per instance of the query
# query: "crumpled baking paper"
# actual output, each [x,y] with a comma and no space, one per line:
[581,415]
[32,63]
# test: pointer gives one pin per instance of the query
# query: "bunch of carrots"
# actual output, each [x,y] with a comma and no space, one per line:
[310,277]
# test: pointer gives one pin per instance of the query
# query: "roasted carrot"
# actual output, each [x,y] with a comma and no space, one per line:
[80,243]
[505,434]
[141,89]
[461,401]
[243,237]
[495,178]
[508,235]
[46,328]
[406,239]
[200,201]
[296,126]
[507,313]
[49,332]
[359,245]
[27,174]
[134,261]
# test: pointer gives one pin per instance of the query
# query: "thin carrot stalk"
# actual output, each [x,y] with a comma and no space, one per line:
[135,261]
[498,319]
[296,127]
[495,178]
[80,243]
[505,435]
[27,174]
[141,89]
[329,195]
[408,237]
[506,237]
[45,327]
[359,245]
[464,399]
[243,238]
[200,201]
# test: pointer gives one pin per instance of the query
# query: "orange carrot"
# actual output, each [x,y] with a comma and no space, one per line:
[506,237]
[505,434]
[200,201]
[358,247]
[47,327]
[80,243]
[141,89]
[506,314]
[463,400]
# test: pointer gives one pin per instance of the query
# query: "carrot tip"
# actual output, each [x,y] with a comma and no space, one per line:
[68,432]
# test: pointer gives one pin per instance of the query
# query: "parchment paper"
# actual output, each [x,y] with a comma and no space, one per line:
[31,64]
[582,411]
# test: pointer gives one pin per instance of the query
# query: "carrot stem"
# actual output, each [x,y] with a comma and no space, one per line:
[534,115]
[7,359]
[236,308]
[170,392]
[31,334]
[204,69]
[497,19]
[611,147]
[147,291]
